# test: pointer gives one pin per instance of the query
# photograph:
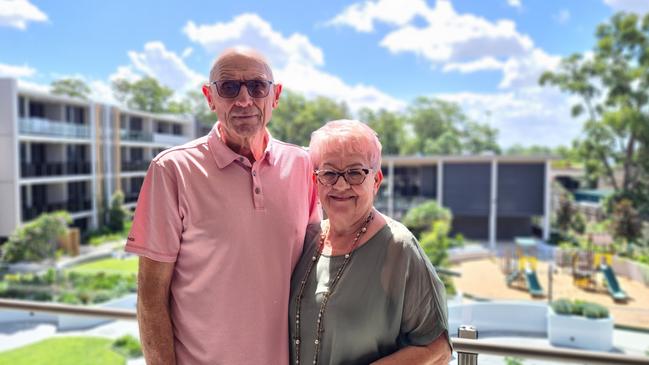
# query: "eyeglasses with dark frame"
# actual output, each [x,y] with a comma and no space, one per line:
[229,89]
[352,176]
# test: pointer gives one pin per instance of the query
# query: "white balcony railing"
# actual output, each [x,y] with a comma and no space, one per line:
[169,139]
[45,127]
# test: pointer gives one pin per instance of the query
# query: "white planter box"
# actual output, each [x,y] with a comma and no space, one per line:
[580,332]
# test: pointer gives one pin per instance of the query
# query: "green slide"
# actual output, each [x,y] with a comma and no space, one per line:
[533,285]
[613,286]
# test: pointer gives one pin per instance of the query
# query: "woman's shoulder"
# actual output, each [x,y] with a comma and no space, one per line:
[400,234]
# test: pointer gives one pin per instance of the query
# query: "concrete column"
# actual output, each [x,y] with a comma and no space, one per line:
[493,205]
[440,182]
[10,215]
[92,111]
[547,203]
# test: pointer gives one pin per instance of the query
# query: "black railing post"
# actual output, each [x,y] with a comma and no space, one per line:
[467,358]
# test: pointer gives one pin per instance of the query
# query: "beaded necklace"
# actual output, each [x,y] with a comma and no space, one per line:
[327,295]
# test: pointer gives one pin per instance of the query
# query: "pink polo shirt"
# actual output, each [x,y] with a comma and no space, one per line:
[235,231]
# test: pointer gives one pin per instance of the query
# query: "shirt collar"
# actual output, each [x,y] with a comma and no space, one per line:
[223,155]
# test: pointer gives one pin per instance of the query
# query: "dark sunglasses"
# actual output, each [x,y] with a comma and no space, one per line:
[230,88]
[352,176]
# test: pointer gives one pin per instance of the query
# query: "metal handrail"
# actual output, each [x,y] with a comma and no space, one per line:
[462,345]
[76,310]
[542,353]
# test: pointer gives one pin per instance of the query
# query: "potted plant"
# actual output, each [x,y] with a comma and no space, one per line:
[580,324]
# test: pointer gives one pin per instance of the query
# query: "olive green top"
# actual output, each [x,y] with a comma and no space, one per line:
[388,297]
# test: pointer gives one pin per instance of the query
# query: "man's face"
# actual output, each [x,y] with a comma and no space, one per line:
[242,116]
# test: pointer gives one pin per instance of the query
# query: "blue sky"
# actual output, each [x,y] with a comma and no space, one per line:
[484,55]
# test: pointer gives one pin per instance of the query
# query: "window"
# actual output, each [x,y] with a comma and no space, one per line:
[36,110]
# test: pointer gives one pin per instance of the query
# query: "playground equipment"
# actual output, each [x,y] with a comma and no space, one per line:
[586,265]
[520,267]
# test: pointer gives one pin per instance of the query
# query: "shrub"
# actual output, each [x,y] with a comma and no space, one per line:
[423,216]
[579,308]
[36,240]
[562,306]
[595,311]
[128,346]
[513,360]
[116,214]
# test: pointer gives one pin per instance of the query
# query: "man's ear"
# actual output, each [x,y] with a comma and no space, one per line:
[278,91]
[208,96]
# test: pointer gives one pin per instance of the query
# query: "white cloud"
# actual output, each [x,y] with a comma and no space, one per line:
[164,65]
[459,42]
[362,16]
[525,71]
[187,52]
[17,13]
[16,71]
[296,61]
[253,31]
[486,63]
[635,6]
[452,37]
[514,3]
[528,116]
[562,17]
[312,82]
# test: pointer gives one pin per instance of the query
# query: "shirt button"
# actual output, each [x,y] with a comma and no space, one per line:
[254,173]
[257,190]
[240,159]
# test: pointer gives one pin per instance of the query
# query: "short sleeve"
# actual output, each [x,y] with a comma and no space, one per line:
[157,224]
[425,315]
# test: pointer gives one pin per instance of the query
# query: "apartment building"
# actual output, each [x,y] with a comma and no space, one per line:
[66,153]
[492,198]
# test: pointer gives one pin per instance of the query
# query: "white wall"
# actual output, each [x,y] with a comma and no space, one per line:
[9,192]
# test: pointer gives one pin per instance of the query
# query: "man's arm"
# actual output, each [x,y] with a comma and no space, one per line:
[154,319]
[437,352]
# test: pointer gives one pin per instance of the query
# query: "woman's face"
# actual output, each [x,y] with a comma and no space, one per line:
[347,204]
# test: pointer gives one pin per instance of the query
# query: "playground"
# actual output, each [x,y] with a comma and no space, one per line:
[486,278]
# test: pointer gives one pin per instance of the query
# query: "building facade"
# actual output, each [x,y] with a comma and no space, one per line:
[62,153]
[492,198]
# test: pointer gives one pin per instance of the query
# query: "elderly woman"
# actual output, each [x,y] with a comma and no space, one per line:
[363,291]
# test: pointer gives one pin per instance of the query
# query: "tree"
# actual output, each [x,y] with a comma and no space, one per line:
[626,222]
[422,217]
[296,117]
[613,89]
[116,212]
[73,87]
[36,240]
[389,126]
[146,94]
[441,127]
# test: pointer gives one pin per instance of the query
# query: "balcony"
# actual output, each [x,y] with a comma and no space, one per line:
[73,206]
[28,170]
[135,165]
[128,135]
[169,139]
[44,127]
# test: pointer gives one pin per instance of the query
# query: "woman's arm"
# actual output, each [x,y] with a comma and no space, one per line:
[435,353]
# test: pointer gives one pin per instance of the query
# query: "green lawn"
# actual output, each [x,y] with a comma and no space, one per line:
[65,351]
[125,266]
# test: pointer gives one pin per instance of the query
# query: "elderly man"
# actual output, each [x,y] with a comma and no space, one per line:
[219,226]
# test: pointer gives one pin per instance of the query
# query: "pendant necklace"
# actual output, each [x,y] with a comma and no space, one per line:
[327,295]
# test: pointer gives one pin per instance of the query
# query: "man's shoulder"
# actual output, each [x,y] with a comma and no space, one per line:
[289,148]
[181,152]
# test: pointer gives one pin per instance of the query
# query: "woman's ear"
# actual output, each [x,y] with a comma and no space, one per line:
[378,178]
